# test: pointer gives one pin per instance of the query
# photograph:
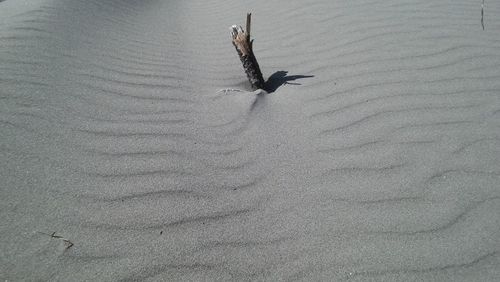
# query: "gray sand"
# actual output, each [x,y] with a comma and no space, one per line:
[383,165]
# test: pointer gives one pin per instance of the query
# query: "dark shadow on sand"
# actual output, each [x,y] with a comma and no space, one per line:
[281,78]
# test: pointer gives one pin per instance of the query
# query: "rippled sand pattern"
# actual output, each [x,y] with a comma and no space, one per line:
[380,162]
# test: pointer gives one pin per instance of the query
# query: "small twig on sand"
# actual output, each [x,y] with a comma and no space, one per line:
[482,14]
[68,244]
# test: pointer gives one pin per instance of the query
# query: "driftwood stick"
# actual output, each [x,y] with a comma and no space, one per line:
[244,48]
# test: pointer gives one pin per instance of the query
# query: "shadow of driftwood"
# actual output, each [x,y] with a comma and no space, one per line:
[280,78]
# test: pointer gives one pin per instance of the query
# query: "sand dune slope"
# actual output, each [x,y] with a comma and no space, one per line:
[377,157]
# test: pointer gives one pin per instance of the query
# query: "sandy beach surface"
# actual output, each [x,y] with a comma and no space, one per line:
[376,158]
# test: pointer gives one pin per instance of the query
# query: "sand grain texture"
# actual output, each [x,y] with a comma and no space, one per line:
[379,160]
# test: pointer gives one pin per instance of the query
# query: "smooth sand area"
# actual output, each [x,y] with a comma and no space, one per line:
[376,158]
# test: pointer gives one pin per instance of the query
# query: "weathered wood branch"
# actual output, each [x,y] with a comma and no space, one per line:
[244,48]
